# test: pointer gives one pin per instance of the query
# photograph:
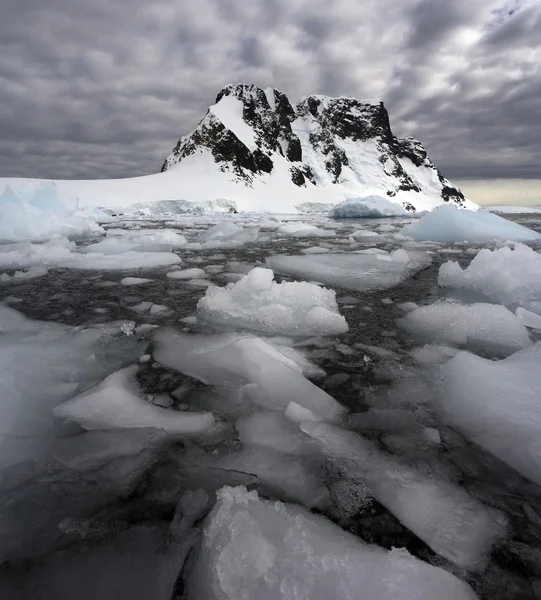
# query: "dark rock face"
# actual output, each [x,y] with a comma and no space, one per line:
[327,121]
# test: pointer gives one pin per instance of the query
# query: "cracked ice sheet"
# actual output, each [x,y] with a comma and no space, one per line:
[360,272]
[42,365]
[254,548]
[443,515]
[496,404]
[235,361]
[61,253]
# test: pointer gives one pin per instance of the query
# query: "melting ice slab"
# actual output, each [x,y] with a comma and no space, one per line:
[497,405]
[237,361]
[451,224]
[367,207]
[505,275]
[116,404]
[353,271]
[255,548]
[258,303]
[443,515]
[483,326]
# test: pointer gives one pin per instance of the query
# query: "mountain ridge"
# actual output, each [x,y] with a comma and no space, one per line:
[321,139]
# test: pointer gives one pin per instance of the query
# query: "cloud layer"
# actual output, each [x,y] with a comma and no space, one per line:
[104,89]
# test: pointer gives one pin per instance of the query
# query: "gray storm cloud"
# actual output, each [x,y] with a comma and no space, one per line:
[105,89]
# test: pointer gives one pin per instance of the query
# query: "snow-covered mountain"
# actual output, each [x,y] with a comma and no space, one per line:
[254,151]
[327,148]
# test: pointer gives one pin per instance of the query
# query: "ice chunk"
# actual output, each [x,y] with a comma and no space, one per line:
[260,549]
[315,250]
[39,213]
[353,271]
[299,229]
[443,515]
[225,231]
[42,365]
[116,404]
[32,273]
[365,233]
[235,360]
[60,252]
[187,274]
[477,326]
[134,281]
[367,207]
[505,275]
[433,353]
[497,405]
[273,430]
[94,448]
[258,303]
[450,224]
[528,319]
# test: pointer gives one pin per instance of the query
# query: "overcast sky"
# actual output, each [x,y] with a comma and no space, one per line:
[105,88]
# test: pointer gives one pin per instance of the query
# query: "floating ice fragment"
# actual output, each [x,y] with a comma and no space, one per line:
[353,271]
[261,549]
[116,404]
[258,303]
[477,326]
[508,276]
[442,514]
[235,361]
[450,224]
[497,405]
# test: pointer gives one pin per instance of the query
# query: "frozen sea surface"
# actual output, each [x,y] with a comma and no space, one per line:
[127,410]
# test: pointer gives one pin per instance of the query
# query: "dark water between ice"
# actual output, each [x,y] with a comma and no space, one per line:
[358,379]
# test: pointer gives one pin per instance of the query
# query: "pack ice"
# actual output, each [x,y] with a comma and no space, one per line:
[38,213]
[477,326]
[360,272]
[497,405]
[506,275]
[62,253]
[258,303]
[117,404]
[255,548]
[367,207]
[451,224]
[244,362]
[440,513]
[45,364]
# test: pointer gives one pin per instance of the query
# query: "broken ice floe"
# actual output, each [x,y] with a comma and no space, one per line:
[258,303]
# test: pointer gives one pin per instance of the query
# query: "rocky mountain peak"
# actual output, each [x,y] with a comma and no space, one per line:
[323,141]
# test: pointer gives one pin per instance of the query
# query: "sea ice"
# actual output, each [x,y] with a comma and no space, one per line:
[187,274]
[367,207]
[236,361]
[497,405]
[528,319]
[116,404]
[32,273]
[61,253]
[443,515]
[38,213]
[448,223]
[360,272]
[273,430]
[258,303]
[134,281]
[477,326]
[255,548]
[42,365]
[507,276]
[299,229]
